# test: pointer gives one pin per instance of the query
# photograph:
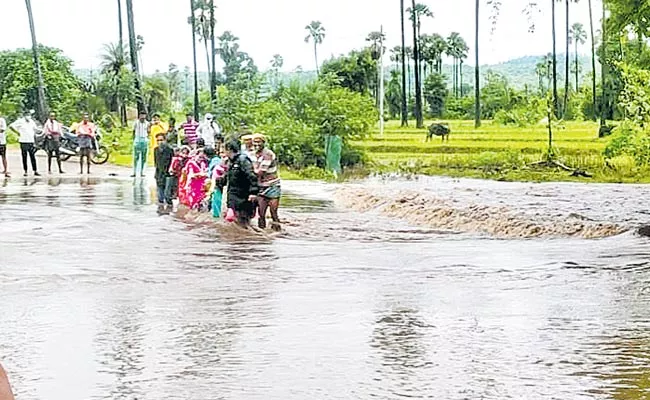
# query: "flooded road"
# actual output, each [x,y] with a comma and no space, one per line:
[103,299]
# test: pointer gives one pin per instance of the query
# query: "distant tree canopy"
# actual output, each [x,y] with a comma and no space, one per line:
[18,82]
[356,71]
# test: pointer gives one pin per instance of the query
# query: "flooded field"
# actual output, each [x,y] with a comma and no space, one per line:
[429,288]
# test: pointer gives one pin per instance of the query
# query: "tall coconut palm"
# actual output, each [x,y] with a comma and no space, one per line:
[567,59]
[316,34]
[41,107]
[578,37]
[417,11]
[396,56]
[377,39]
[593,60]
[416,55]
[404,98]
[120,46]
[554,70]
[276,63]
[133,49]
[119,22]
[462,56]
[541,70]
[213,54]
[604,102]
[477,74]
[439,48]
[409,58]
[112,65]
[457,49]
[196,72]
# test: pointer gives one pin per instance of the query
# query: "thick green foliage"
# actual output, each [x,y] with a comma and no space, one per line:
[18,82]
[435,93]
[629,139]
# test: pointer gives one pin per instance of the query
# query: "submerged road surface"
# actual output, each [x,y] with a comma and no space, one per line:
[103,299]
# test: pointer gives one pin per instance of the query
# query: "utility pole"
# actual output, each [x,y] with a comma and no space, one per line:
[381,81]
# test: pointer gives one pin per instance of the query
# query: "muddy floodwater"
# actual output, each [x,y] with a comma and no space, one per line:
[431,288]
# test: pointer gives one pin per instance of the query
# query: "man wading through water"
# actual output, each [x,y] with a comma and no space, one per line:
[53,131]
[266,167]
[242,184]
[163,155]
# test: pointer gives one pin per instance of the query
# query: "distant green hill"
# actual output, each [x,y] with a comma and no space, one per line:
[519,72]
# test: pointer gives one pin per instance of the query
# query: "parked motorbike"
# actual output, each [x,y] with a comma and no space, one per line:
[69,147]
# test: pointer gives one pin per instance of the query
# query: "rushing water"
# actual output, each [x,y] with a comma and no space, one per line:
[103,299]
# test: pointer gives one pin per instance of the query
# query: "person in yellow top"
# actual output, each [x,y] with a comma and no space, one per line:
[157,126]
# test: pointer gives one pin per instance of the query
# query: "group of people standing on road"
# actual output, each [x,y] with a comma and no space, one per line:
[27,129]
[198,169]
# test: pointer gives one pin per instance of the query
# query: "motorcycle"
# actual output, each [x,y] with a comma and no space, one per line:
[69,147]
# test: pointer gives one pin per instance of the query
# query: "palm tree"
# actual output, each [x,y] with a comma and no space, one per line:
[409,57]
[121,107]
[119,21]
[396,56]
[276,63]
[213,53]
[196,72]
[604,102]
[554,70]
[40,90]
[317,34]
[477,74]
[134,55]
[377,39]
[201,22]
[404,99]
[112,65]
[439,48]
[457,49]
[416,55]
[567,83]
[578,37]
[593,60]
[418,11]
[541,70]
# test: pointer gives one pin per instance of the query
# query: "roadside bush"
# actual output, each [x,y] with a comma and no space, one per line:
[629,139]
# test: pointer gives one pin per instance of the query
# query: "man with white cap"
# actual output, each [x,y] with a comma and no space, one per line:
[210,131]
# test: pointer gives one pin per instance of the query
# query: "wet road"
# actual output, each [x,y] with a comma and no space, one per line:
[103,299]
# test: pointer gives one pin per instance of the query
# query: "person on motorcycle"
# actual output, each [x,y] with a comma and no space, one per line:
[85,138]
[53,131]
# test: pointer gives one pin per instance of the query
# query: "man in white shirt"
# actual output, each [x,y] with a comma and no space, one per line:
[3,145]
[26,129]
[209,131]
[141,132]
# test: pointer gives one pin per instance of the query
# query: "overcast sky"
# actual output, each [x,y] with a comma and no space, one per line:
[268,27]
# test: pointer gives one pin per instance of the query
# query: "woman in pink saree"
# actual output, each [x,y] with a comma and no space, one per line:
[196,172]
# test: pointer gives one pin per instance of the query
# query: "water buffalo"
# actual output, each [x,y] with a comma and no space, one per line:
[438,129]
